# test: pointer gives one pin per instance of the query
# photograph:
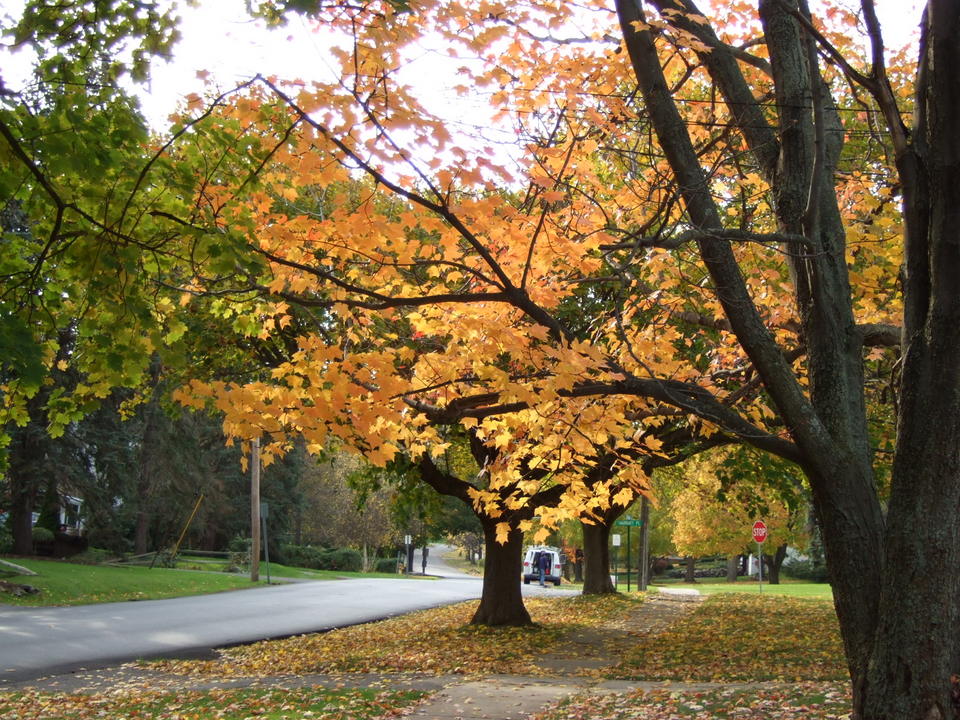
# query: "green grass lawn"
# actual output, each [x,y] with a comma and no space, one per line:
[791,589]
[285,571]
[275,569]
[63,583]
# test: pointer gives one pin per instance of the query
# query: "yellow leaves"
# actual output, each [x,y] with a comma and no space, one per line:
[382,454]
[436,641]
[624,497]
[503,532]
[801,633]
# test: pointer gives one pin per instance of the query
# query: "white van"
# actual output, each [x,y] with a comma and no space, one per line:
[530,567]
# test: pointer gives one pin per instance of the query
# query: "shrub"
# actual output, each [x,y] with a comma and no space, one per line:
[239,544]
[93,556]
[806,570]
[343,559]
[386,565]
[42,534]
[6,539]
[304,556]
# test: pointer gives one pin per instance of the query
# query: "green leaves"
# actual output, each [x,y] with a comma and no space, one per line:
[109,37]
[22,357]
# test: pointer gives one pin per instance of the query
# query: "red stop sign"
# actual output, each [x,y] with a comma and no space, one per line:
[759,531]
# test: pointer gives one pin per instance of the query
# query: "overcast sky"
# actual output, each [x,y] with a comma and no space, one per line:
[220,38]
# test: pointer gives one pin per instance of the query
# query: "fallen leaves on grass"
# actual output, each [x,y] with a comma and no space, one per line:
[436,641]
[742,637]
[276,704]
[811,701]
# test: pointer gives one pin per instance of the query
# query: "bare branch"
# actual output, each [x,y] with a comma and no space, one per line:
[698,235]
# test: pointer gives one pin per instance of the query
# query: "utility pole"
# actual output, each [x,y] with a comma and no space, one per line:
[255,510]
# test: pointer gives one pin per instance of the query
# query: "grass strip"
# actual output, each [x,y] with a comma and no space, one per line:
[233,704]
[810,701]
[64,583]
[733,637]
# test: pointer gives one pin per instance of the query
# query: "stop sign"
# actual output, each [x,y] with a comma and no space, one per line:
[759,531]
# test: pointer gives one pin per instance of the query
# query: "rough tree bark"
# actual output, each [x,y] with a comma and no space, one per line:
[29,448]
[896,581]
[773,564]
[501,602]
[733,565]
[596,559]
[915,654]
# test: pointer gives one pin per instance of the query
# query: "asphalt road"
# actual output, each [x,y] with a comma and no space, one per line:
[41,641]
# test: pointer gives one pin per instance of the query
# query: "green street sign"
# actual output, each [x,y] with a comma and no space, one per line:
[629,522]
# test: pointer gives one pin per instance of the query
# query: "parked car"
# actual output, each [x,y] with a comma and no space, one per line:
[532,556]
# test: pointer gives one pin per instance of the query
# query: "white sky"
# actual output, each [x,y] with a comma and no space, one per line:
[219,37]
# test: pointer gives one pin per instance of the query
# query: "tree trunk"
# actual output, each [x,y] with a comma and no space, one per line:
[915,654]
[142,531]
[146,476]
[690,576]
[501,602]
[596,559]
[733,565]
[774,563]
[298,525]
[21,518]
[25,475]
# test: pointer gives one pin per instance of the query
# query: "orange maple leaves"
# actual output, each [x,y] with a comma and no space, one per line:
[443,287]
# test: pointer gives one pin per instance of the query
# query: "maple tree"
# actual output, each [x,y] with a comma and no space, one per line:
[79,315]
[714,517]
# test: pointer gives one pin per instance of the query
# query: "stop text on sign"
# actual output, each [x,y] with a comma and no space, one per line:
[759,531]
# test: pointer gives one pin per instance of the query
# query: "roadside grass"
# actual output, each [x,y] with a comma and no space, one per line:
[437,641]
[67,583]
[788,588]
[286,571]
[456,560]
[735,637]
[64,583]
[275,569]
[236,704]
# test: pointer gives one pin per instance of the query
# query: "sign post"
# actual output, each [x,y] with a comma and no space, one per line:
[407,541]
[616,553]
[760,535]
[629,522]
[264,511]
